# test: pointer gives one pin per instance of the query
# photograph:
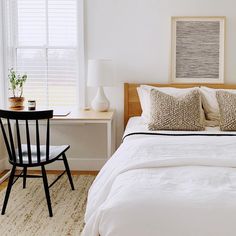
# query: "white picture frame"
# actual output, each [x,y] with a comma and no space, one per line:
[198,49]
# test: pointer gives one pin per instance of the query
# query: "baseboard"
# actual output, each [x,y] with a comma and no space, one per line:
[78,164]
[74,163]
[2,165]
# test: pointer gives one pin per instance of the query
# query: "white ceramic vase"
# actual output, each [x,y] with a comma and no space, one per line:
[100,102]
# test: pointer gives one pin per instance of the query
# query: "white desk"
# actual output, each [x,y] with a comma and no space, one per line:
[89,117]
[93,117]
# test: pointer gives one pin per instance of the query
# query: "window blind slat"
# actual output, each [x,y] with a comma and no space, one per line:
[46,49]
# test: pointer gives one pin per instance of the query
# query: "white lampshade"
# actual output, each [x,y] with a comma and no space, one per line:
[100,73]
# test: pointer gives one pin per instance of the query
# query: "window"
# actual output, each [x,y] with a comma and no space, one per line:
[43,41]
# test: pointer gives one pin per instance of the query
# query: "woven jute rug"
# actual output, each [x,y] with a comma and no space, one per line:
[27,212]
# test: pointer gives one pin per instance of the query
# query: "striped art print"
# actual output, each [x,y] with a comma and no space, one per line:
[198,49]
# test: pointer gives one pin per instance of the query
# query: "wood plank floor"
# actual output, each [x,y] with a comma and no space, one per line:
[4,184]
[54,172]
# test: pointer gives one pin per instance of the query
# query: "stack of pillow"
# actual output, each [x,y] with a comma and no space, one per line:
[189,109]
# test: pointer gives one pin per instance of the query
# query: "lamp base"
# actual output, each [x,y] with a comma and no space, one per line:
[100,102]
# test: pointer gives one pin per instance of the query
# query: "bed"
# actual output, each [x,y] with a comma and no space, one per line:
[180,183]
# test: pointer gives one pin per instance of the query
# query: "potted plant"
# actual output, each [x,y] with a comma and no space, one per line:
[16,86]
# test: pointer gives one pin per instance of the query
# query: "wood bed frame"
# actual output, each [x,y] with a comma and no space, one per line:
[131,100]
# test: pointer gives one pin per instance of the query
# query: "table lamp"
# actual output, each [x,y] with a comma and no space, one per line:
[100,73]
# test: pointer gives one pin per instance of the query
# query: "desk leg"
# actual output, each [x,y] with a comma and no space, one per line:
[109,139]
[113,127]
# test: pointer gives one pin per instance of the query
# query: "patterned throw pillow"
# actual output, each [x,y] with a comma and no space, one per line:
[175,113]
[227,105]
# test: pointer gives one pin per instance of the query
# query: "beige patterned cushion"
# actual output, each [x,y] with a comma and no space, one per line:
[175,113]
[227,105]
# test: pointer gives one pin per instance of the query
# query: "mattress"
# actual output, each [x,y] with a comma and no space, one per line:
[166,183]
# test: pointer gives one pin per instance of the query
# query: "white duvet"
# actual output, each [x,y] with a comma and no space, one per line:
[166,186]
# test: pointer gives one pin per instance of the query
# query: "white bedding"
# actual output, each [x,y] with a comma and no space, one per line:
[165,186]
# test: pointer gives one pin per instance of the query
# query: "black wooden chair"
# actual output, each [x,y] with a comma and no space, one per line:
[27,155]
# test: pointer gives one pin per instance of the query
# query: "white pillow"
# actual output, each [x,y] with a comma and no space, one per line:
[210,104]
[143,101]
[144,97]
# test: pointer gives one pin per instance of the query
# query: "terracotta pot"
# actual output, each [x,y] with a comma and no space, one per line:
[16,103]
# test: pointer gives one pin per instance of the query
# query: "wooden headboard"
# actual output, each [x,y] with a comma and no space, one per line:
[131,100]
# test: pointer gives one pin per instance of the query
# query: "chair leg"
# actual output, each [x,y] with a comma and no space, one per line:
[68,171]
[45,183]
[9,186]
[24,176]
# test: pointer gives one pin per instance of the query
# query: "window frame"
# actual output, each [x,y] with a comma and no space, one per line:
[2,66]
[10,46]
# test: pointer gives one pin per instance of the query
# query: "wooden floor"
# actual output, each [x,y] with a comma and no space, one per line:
[37,172]
[4,184]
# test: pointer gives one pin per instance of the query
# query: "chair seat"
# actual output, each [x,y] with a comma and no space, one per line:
[54,152]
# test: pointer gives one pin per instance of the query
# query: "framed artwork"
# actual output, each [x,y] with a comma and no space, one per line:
[198,45]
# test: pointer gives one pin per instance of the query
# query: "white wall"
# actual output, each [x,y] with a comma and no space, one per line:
[87,148]
[136,34]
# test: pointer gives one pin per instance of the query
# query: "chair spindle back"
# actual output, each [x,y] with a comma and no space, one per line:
[15,152]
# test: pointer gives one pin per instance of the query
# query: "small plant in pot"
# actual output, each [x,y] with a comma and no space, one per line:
[17,82]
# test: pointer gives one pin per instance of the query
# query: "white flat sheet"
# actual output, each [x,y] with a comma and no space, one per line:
[136,124]
[165,186]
